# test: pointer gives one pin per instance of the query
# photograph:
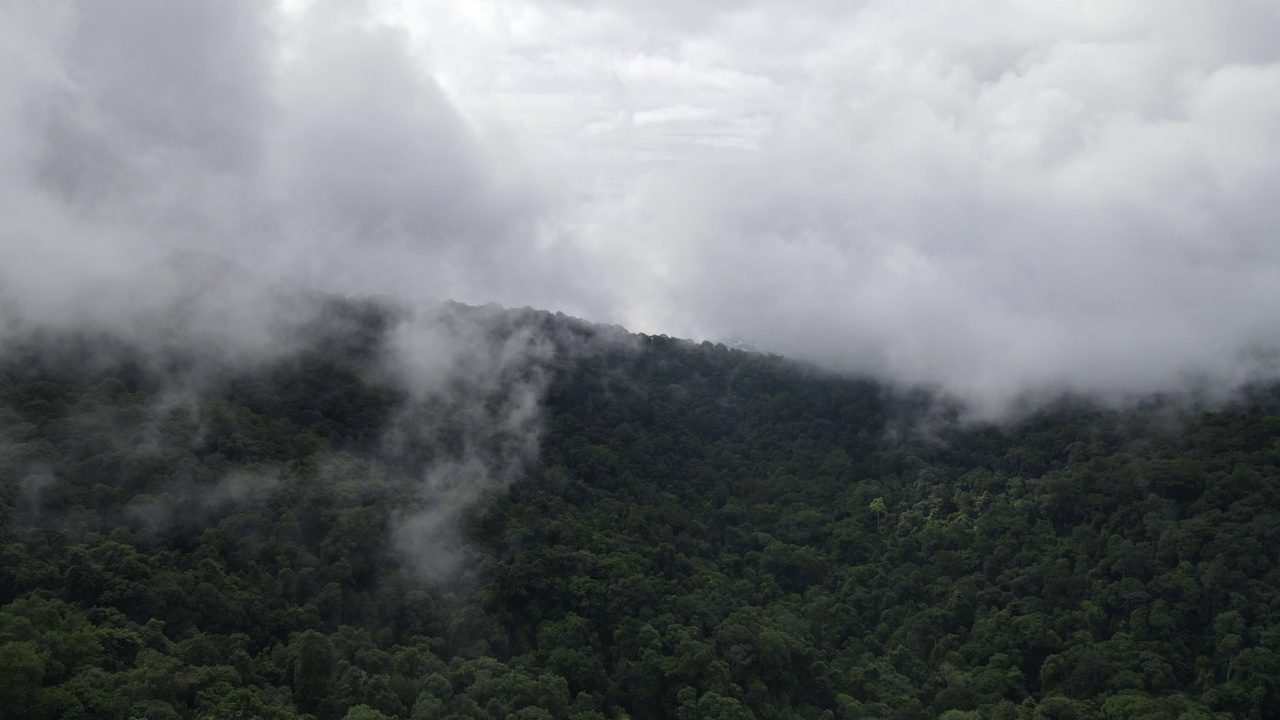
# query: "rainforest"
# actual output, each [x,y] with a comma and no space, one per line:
[572,521]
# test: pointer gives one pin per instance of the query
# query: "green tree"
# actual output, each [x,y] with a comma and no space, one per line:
[880,509]
[312,668]
[22,669]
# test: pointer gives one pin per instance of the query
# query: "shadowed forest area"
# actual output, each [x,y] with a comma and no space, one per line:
[698,533]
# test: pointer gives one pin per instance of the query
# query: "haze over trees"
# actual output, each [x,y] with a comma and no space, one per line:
[1021,462]
[486,513]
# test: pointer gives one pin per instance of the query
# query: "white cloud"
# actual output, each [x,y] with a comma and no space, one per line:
[995,196]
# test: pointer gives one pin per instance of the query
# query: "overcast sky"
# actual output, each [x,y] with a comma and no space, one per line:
[998,197]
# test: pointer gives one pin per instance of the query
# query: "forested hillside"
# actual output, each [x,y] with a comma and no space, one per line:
[613,526]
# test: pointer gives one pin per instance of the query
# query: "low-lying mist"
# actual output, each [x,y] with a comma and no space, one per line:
[235,391]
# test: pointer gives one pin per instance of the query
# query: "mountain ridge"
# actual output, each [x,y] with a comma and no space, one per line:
[478,512]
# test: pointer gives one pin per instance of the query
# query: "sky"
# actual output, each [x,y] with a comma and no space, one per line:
[997,198]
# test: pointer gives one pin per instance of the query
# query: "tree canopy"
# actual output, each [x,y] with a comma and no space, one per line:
[702,533]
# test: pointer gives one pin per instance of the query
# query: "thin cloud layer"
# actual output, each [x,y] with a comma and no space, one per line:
[995,197]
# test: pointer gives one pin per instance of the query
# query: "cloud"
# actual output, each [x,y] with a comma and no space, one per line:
[310,142]
[993,197]
[996,196]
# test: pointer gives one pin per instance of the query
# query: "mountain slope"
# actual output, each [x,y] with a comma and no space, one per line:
[510,513]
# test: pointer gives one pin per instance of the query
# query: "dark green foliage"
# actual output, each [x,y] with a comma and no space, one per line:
[704,533]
